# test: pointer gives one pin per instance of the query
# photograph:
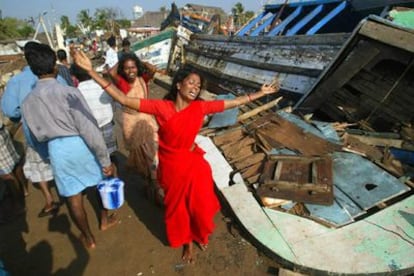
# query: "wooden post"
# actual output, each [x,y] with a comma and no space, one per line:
[259,109]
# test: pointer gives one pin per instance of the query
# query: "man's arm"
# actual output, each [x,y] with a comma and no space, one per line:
[10,101]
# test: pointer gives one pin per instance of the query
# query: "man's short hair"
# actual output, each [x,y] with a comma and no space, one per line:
[29,46]
[41,59]
[125,42]
[111,41]
[61,54]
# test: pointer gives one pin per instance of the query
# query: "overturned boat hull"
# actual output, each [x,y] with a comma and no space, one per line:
[250,61]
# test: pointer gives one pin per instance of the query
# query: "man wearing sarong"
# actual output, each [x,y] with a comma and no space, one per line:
[59,118]
[37,170]
[190,200]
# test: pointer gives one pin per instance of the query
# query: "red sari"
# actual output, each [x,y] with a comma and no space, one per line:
[186,177]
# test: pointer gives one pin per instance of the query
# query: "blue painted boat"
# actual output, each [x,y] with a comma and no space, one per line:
[308,17]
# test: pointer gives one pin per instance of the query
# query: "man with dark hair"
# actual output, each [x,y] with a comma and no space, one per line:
[59,116]
[37,170]
[125,48]
[111,55]
[63,66]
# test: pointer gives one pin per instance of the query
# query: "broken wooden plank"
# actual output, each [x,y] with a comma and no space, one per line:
[253,170]
[361,55]
[278,131]
[259,109]
[239,144]
[388,35]
[228,137]
[354,144]
[247,162]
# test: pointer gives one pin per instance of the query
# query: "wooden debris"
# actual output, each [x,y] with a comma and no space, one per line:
[276,131]
[228,137]
[298,178]
[250,161]
[273,202]
[352,144]
[259,109]
[377,141]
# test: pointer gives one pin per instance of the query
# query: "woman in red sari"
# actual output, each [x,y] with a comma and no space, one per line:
[186,177]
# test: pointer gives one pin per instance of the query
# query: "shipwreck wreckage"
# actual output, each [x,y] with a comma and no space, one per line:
[329,193]
[311,191]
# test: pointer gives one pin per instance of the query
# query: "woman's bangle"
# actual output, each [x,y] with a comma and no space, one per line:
[106,86]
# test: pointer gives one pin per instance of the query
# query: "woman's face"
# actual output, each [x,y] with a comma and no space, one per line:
[189,88]
[130,70]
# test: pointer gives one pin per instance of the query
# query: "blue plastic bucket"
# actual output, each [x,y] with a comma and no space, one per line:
[112,192]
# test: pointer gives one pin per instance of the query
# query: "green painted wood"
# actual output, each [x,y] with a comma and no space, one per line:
[256,222]
[167,34]
[380,244]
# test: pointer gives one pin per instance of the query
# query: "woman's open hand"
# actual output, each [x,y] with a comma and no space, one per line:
[273,87]
[80,59]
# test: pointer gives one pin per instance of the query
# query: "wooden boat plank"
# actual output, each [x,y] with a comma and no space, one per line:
[255,220]
[229,137]
[362,54]
[389,35]
[298,178]
[291,136]
[381,243]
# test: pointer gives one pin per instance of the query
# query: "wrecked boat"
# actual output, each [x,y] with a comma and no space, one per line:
[293,40]
[321,203]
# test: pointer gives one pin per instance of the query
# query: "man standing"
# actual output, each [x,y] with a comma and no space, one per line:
[37,170]
[59,116]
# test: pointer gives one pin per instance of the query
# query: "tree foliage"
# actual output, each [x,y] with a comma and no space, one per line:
[124,23]
[68,29]
[14,28]
[240,15]
[85,19]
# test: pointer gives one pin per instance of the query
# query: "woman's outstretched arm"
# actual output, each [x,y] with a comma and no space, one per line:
[84,62]
[266,89]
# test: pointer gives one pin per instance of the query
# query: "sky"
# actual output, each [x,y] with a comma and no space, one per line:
[24,9]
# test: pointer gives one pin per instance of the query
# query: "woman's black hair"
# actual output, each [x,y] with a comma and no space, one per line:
[130,56]
[179,76]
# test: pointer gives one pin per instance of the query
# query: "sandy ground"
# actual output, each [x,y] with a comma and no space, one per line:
[136,246]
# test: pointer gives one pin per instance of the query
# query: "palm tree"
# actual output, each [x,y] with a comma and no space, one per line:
[238,14]
[64,22]
[84,18]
